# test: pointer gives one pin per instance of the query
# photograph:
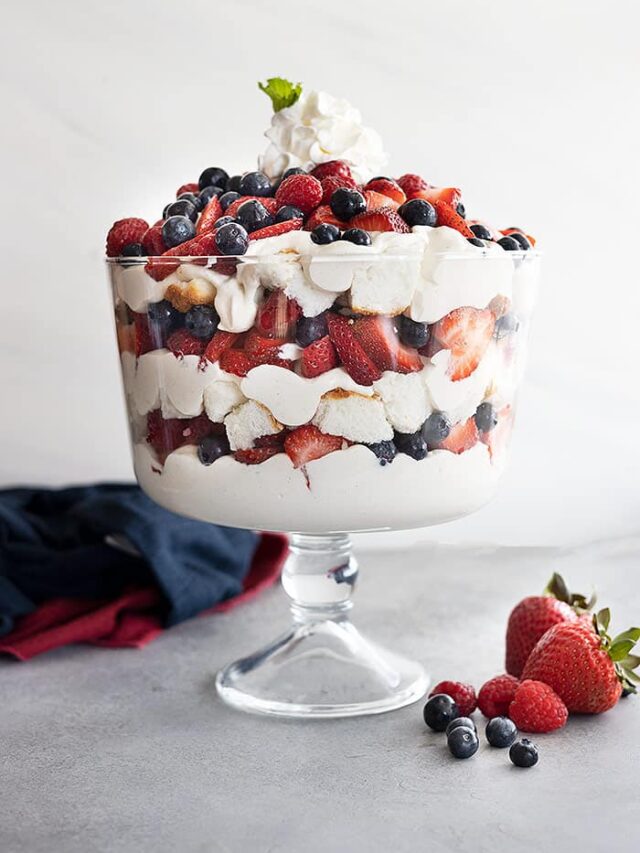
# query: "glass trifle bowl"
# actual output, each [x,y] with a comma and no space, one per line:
[319,391]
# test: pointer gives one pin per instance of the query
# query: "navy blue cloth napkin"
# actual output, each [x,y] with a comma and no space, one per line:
[63,543]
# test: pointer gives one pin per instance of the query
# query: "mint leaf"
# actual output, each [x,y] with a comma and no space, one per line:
[283,93]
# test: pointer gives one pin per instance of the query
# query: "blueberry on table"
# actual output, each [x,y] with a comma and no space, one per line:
[463,742]
[232,239]
[436,428]
[255,183]
[501,732]
[357,236]
[485,417]
[325,233]
[287,212]
[385,451]
[346,203]
[509,244]
[182,207]
[201,321]
[212,448]
[228,198]
[417,211]
[411,332]
[213,176]
[177,230]
[523,753]
[310,329]
[411,444]
[439,711]
[253,216]
[481,231]
[460,723]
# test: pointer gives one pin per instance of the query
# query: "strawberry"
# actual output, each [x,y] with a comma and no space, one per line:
[466,332]
[449,217]
[380,341]
[463,436]
[499,306]
[125,231]
[146,337]
[277,315]
[318,357]
[207,219]
[255,455]
[389,188]
[181,343]
[258,347]
[220,342]
[188,188]
[444,195]
[153,242]
[533,616]
[302,191]
[412,184]
[275,440]
[376,200]
[586,667]
[462,694]
[323,214]
[536,708]
[236,361]
[496,695]
[269,203]
[352,355]
[306,443]
[275,230]
[167,434]
[333,183]
[202,245]
[381,219]
[331,169]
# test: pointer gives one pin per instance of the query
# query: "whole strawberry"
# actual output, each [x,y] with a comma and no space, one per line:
[586,667]
[534,615]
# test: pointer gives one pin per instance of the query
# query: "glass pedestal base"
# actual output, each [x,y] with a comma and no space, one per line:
[323,666]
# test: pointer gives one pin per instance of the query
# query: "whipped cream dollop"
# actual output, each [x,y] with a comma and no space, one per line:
[319,128]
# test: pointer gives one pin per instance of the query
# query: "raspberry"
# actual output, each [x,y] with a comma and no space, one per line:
[496,695]
[153,242]
[333,183]
[182,343]
[301,191]
[125,231]
[537,708]
[334,168]
[463,695]
[412,184]
[220,342]
[188,188]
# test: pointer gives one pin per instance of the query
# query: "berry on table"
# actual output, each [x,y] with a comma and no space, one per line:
[461,722]
[177,230]
[495,695]
[486,417]
[501,732]
[523,753]
[253,215]
[325,233]
[287,212]
[213,447]
[232,239]
[463,743]
[537,708]
[417,211]
[439,711]
[228,198]
[255,183]
[346,203]
[481,231]
[301,191]
[202,321]
[436,428]
[411,332]
[310,329]
[213,176]
[510,244]
[182,207]
[357,236]
[385,451]
[463,695]
[411,444]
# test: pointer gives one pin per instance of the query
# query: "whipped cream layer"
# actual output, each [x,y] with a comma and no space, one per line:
[347,490]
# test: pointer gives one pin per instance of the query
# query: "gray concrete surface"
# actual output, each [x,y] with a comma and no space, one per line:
[131,750]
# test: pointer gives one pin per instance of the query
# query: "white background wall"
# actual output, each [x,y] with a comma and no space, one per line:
[530,107]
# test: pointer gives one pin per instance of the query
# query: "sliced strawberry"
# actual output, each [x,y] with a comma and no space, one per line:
[376,200]
[255,455]
[212,212]
[356,362]
[266,201]
[275,440]
[497,439]
[333,168]
[389,188]
[449,217]
[466,332]
[220,342]
[182,342]
[333,183]
[188,188]
[412,184]
[323,214]
[258,346]
[462,437]
[447,195]
[153,242]
[275,230]
[379,339]
[236,361]
[125,231]
[318,357]
[307,443]
[301,191]
[145,336]
[203,245]
[382,219]
[277,315]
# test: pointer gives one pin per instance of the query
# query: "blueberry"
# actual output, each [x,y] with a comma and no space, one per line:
[418,212]
[509,244]
[523,753]
[460,209]
[384,450]
[255,183]
[232,239]
[212,448]
[213,176]
[412,333]
[461,722]
[475,241]
[201,321]
[485,417]
[205,195]
[195,200]
[463,743]
[133,250]
[228,198]
[163,315]
[177,230]
[182,207]
[224,220]
[287,212]
[481,231]
[439,711]
[412,444]
[501,732]
[310,329]
[233,183]
[436,428]
[252,215]
[294,170]
[506,325]
[521,240]
[325,233]
[346,203]
[357,236]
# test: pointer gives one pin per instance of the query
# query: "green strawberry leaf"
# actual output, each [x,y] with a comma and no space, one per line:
[633,634]
[558,588]
[283,93]
[619,650]
[603,618]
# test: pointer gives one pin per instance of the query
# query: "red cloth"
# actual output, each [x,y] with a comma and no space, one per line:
[133,619]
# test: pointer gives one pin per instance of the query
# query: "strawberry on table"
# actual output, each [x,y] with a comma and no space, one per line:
[379,339]
[123,232]
[466,332]
[301,191]
[307,443]
[463,436]
[318,357]
[537,708]
[355,360]
[382,219]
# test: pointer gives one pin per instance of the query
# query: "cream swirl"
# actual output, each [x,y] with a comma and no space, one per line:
[319,128]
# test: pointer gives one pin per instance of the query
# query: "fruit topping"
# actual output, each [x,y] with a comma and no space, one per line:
[301,191]
[466,332]
[318,357]
[463,695]
[346,203]
[125,231]
[325,233]
[381,219]
[355,360]
[307,443]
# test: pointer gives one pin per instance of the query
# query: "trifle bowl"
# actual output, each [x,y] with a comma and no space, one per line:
[320,369]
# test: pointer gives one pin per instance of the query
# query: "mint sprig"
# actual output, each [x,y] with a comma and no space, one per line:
[283,93]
